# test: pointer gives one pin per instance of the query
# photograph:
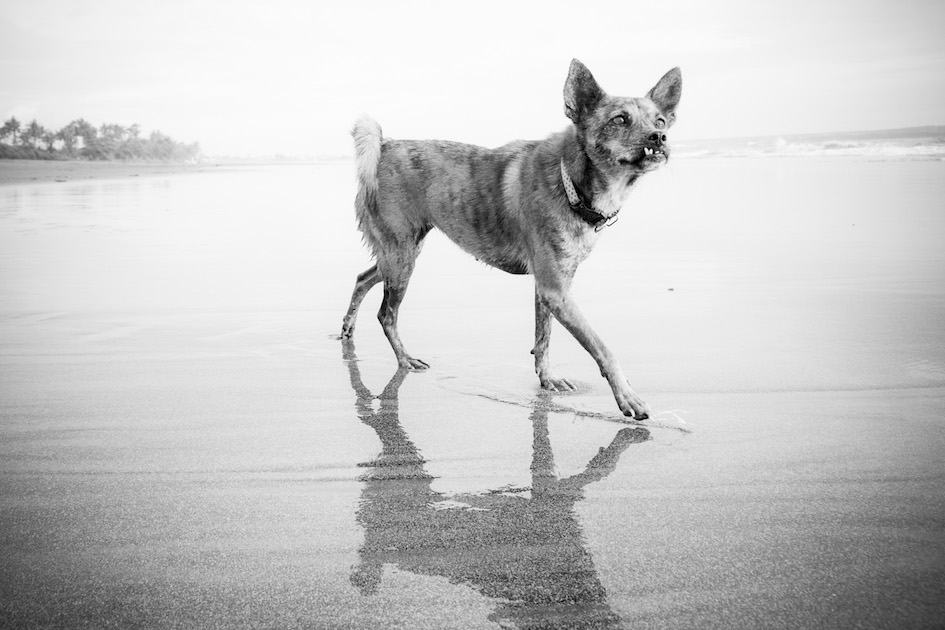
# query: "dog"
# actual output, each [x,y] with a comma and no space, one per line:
[528,207]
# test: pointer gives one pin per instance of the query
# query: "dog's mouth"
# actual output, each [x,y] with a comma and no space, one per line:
[646,158]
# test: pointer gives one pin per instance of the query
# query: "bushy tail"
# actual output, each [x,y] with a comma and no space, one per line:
[367,155]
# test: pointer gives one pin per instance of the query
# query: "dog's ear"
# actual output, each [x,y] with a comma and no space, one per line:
[581,92]
[667,91]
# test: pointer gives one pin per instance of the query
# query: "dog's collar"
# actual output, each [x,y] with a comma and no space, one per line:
[597,220]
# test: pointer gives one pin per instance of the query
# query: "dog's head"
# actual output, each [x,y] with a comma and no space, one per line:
[621,133]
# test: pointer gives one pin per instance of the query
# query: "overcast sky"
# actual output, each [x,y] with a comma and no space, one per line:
[257,78]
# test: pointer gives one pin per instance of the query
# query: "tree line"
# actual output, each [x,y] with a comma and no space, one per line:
[83,140]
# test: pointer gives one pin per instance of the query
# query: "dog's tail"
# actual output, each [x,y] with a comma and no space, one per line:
[367,155]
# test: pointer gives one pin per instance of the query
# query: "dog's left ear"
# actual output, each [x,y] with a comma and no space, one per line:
[666,93]
[581,92]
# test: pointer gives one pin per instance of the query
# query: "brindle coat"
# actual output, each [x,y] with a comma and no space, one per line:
[508,207]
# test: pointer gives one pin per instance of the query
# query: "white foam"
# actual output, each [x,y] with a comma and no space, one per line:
[931,147]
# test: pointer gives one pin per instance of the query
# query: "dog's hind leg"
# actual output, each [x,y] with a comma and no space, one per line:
[546,374]
[364,284]
[396,274]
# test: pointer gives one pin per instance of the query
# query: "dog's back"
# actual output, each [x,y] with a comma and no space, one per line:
[470,193]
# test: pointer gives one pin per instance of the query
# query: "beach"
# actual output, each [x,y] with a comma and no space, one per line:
[44,171]
[186,442]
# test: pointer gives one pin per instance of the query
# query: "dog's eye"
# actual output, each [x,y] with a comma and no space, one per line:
[620,120]
[660,123]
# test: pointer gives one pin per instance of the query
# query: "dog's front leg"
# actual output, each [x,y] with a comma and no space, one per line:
[546,375]
[558,300]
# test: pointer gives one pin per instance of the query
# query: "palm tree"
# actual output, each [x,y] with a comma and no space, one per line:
[84,130]
[11,128]
[67,135]
[81,128]
[49,138]
[134,146]
[34,131]
[160,146]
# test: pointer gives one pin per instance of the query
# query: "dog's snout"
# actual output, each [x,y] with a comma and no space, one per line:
[658,137]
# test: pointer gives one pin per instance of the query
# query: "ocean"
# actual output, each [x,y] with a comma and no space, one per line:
[913,143]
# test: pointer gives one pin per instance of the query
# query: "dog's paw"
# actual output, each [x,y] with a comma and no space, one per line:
[632,405]
[414,365]
[555,384]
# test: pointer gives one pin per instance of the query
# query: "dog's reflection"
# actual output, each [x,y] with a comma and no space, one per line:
[527,553]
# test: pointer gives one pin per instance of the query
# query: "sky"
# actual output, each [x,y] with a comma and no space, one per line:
[290,77]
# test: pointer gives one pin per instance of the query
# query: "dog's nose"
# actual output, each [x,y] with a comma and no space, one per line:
[658,137]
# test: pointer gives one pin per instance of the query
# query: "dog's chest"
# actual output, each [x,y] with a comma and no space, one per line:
[574,247]
[609,201]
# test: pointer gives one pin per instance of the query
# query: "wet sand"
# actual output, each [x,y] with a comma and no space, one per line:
[184,442]
[14,172]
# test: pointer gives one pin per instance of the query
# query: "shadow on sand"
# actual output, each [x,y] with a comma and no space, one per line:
[526,553]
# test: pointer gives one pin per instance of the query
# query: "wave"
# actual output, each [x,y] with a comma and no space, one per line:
[921,143]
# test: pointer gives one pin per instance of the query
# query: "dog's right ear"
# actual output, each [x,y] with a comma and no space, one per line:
[581,92]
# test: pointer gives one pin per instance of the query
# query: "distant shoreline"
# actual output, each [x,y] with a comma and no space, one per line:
[44,171]
[18,172]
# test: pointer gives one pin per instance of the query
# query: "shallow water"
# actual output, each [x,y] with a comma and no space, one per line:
[721,274]
[184,440]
